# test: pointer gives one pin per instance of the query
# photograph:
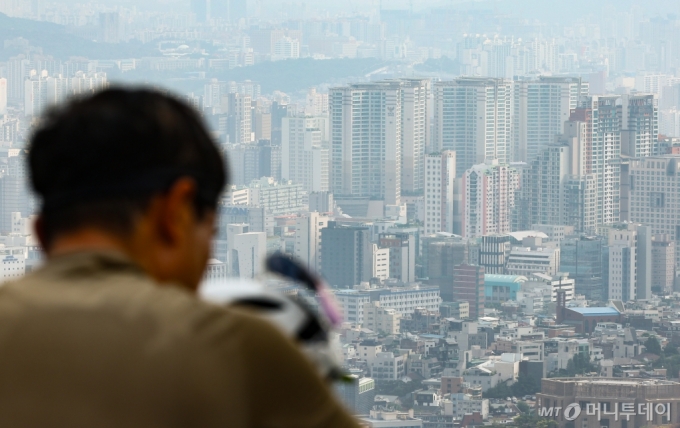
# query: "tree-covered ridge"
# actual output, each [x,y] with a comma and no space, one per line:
[57,42]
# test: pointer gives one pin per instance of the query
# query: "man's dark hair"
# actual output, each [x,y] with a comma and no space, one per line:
[98,161]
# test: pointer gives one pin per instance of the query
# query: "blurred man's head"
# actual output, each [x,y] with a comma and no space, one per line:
[130,169]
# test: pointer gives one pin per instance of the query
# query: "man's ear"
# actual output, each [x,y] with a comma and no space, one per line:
[174,210]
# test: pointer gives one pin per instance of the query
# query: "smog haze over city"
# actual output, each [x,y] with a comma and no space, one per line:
[489,189]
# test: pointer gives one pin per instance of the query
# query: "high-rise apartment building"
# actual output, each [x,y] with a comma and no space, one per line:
[308,239]
[488,198]
[42,91]
[109,27]
[18,69]
[346,254]
[555,189]
[239,121]
[541,107]
[366,141]
[304,152]
[3,96]
[640,126]
[414,132]
[473,117]
[601,144]
[440,173]
[201,9]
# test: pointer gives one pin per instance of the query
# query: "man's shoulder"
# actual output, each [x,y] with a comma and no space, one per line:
[133,300]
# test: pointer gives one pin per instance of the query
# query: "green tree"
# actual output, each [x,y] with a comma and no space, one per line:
[578,365]
[670,349]
[526,385]
[534,421]
[523,407]
[502,390]
[653,346]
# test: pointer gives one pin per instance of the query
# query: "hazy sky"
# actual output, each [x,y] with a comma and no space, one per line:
[533,9]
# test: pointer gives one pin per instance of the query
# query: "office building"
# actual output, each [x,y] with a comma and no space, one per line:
[262,125]
[472,116]
[582,258]
[308,239]
[402,253]
[304,152]
[488,198]
[650,194]
[15,194]
[358,394]
[526,260]
[407,299]
[492,253]
[642,396]
[346,254]
[541,107]
[628,255]
[440,173]
[663,264]
[439,256]
[468,286]
[249,253]
[366,141]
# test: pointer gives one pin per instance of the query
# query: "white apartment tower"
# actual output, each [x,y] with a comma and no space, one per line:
[304,152]
[601,139]
[541,107]
[440,173]
[42,91]
[488,198]
[365,138]
[473,117]
[239,110]
[414,130]
[308,239]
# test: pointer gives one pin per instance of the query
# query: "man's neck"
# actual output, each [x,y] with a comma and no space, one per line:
[86,240]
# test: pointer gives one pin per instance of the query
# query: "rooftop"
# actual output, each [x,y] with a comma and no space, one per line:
[496,279]
[613,381]
[601,311]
